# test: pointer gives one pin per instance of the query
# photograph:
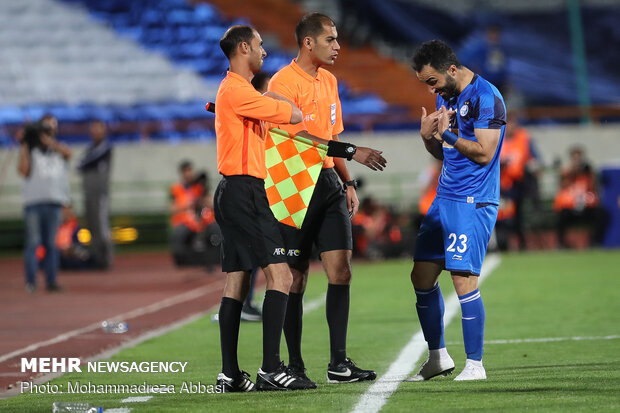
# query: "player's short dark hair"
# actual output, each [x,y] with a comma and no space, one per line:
[435,53]
[311,25]
[234,36]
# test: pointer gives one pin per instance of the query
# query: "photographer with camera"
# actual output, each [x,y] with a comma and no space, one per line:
[43,162]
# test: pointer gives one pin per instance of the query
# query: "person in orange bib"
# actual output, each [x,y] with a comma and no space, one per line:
[185,197]
[519,165]
[577,200]
[328,221]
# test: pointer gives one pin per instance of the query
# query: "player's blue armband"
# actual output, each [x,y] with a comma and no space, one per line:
[449,137]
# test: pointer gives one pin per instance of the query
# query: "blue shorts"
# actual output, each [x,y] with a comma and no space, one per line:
[457,233]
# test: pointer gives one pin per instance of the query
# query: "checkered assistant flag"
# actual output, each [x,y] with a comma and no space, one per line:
[293,167]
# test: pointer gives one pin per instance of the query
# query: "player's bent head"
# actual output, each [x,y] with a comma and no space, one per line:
[437,54]
[234,36]
[311,25]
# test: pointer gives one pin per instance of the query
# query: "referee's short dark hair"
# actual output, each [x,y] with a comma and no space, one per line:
[435,53]
[234,36]
[311,25]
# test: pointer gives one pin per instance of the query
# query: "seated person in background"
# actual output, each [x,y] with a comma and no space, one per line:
[74,254]
[376,231]
[577,200]
[192,213]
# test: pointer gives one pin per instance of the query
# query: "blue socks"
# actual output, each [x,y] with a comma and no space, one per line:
[430,312]
[430,309]
[473,317]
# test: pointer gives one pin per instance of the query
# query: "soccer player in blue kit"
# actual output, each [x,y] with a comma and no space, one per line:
[455,232]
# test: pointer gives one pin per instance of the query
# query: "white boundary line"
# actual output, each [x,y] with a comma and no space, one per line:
[137,399]
[314,304]
[378,393]
[168,302]
[545,339]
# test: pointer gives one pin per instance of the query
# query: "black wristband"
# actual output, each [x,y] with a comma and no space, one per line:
[352,183]
[341,149]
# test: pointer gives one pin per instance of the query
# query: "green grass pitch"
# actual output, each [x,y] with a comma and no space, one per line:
[529,296]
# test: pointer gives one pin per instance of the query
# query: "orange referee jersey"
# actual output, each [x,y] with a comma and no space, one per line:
[239,126]
[318,99]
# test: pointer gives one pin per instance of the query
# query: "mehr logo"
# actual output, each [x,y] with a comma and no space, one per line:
[51,365]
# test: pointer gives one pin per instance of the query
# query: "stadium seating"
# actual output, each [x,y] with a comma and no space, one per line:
[536,39]
[139,61]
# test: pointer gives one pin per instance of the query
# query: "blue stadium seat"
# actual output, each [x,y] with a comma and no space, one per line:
[186,34]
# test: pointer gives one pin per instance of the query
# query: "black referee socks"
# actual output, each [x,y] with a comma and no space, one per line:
[292,328]
[229,318]
[274,310]
[337,312]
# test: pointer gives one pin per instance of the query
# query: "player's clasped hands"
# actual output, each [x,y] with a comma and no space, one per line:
[433,125]
[445,116]
[370,157]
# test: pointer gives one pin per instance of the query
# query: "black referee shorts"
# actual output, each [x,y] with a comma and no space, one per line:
[249,230]
[327,223]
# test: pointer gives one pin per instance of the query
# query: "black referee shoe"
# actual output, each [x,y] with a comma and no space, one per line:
[346,372]
[280,379]
[241,383]
[301,373]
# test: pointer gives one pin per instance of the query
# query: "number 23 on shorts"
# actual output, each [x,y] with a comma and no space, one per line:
[461,247]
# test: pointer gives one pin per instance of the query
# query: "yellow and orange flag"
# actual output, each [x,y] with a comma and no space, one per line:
[293,167]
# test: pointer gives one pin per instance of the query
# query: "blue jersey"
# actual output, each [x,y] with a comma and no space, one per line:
[480,106]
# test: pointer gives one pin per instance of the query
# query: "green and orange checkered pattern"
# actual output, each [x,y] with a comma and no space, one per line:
[293,167]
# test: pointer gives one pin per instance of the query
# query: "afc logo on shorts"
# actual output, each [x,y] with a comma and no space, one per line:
[293,253]
[279,251]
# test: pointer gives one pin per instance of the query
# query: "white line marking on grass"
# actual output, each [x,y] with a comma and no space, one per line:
[314,304]
[545,339]
[137,399]
[168,302]
[377,394]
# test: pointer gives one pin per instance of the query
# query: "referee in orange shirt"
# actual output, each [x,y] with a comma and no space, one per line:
[250,231]
[327,224]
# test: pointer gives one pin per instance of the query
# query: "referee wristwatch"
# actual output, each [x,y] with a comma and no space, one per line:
[352,183]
